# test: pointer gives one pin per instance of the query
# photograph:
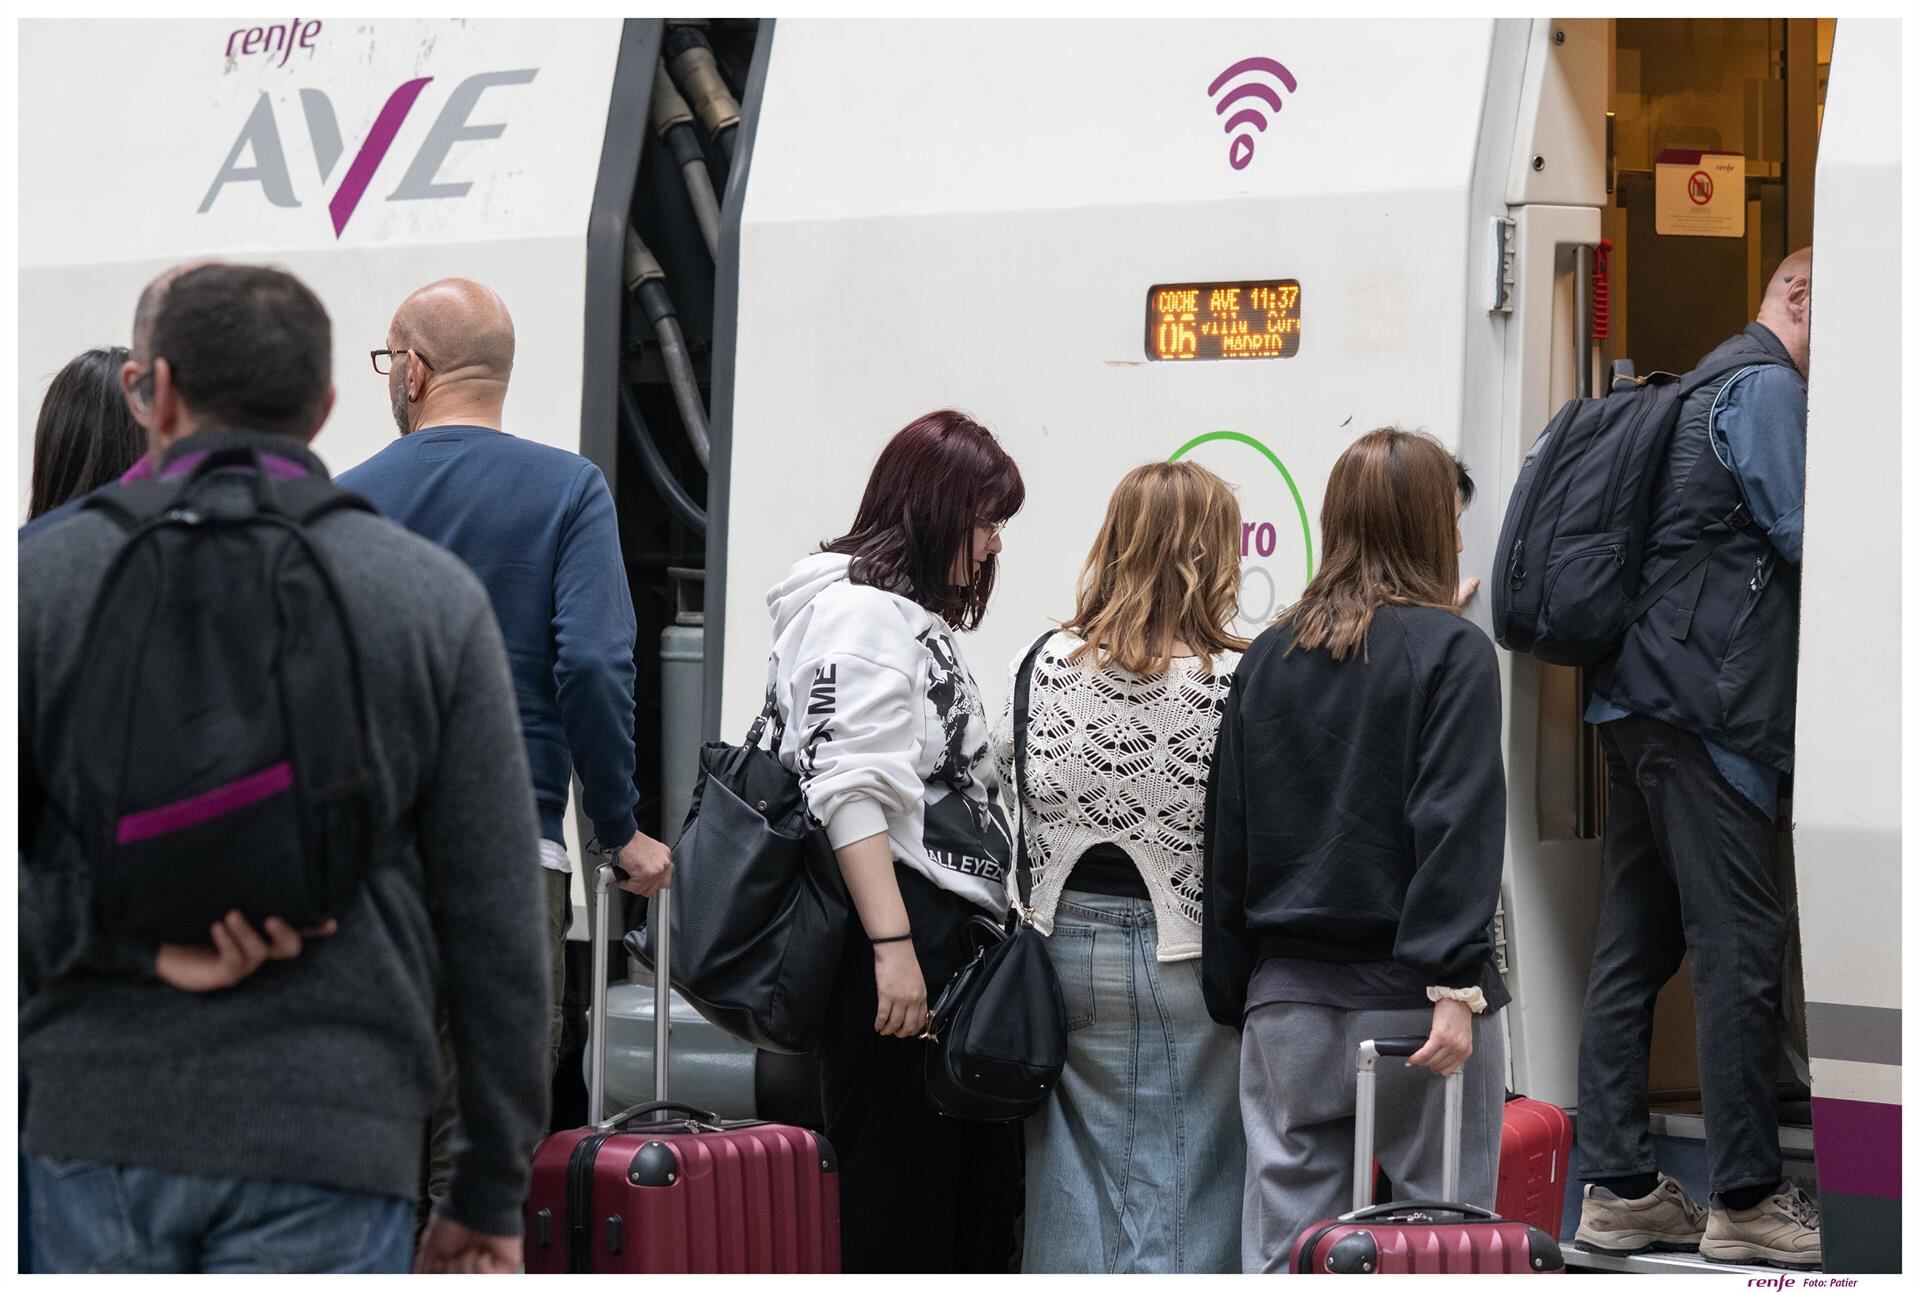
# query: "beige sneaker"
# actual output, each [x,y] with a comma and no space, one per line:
[1783,1231]
[1666,1220]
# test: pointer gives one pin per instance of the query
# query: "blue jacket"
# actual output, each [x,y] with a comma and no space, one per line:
[537,525]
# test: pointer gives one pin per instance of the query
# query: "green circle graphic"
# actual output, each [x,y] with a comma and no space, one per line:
[1306,528]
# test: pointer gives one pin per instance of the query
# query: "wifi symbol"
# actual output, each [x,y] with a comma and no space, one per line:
[1240,151]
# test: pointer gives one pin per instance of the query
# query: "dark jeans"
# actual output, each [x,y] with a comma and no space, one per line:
[95,1216]
[1689,869]
[918,1191]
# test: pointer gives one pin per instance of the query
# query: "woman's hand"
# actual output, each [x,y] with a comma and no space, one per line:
[902,990]
[1450,1042]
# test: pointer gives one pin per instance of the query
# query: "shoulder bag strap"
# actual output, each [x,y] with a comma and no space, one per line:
[768,712]
[1022,696]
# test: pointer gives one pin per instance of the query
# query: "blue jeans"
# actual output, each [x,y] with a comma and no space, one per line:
[1137,1163]
[134,1219]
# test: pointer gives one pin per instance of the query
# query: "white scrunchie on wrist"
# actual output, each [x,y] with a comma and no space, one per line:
[1472,997]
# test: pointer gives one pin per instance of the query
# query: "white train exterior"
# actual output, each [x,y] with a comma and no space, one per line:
[976,214]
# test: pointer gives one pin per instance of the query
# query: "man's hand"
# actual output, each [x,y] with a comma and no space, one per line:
[236,953]
[1467,588]
[1449,1042]
[449,1247]
[648,863]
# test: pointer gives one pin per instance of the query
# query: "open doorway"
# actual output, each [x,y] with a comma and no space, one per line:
[1740,98]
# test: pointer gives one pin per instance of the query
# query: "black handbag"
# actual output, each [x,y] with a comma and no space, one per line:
[759,911]
[998,1030]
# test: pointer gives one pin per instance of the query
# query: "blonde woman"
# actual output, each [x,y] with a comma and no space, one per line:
[1136,1164]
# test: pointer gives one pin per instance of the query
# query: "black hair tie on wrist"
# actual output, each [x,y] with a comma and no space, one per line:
[903,937]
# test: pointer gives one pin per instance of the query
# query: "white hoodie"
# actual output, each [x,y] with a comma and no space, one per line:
[879,717]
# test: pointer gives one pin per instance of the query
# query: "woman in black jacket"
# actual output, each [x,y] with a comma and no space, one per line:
[1355,827]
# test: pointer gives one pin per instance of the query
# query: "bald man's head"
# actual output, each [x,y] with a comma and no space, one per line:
[1787,308]
[459,342]
[461,327]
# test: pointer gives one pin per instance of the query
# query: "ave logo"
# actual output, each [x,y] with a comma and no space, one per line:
[258,156]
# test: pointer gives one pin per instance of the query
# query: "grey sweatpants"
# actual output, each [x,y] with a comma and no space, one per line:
[1296,1104]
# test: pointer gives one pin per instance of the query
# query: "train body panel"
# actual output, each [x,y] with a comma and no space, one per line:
[1848,766]
[369,158]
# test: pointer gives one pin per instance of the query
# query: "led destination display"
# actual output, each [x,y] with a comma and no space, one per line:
[1248,320]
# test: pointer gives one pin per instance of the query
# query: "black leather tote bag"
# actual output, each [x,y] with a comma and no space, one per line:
[998,1031]
[759,911]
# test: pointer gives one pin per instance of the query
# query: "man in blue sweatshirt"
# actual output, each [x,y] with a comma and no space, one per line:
[537,525]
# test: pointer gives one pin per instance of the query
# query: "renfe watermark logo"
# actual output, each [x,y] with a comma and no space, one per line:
[258,157]
[280,38]
[1276,538]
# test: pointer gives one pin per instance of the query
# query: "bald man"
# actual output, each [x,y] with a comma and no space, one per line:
[537,525]
[1697,707]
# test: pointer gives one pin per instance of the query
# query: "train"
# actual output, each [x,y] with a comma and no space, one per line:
[741,252]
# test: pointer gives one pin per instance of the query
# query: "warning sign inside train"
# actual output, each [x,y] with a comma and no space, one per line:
[1699,194]
[1251,320]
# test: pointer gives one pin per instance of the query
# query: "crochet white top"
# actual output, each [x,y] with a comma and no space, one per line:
[1117,758]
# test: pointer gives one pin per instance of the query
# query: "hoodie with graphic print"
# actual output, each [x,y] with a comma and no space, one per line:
[878,715]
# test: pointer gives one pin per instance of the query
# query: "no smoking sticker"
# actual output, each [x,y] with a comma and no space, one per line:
[1699,194]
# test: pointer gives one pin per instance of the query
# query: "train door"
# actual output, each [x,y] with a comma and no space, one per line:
[1713,129]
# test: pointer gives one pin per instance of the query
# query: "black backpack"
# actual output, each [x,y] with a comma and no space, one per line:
[1566,573]
[217,725]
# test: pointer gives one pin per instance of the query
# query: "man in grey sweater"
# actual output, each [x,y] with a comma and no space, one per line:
[259,1106]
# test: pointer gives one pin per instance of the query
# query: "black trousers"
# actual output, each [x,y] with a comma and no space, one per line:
[919,1192]
[1689,868]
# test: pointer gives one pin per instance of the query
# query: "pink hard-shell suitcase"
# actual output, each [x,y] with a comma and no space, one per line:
[665,1188]
[1418,1237]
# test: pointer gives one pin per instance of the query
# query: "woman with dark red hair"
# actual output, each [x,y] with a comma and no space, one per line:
[879,716]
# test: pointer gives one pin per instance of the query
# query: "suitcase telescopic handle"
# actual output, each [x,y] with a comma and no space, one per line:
[603,879]
[1400,1047]
[605,876]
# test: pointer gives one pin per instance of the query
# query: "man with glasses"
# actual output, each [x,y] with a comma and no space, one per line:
[537,524]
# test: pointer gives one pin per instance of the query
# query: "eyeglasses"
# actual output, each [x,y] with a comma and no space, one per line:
[383,360]
[994,528]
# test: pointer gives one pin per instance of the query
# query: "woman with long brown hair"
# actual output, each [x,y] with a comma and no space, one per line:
[1135,1164]
[1354,841]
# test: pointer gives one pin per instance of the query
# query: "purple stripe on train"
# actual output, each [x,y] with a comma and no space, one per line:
[1858,1147]
[201,808]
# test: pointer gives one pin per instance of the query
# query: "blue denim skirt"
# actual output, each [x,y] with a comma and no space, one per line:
[1137,1163]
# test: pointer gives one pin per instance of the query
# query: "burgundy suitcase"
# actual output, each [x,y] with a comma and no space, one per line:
[1417,1237]
[1536,1141]
[668,1189]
